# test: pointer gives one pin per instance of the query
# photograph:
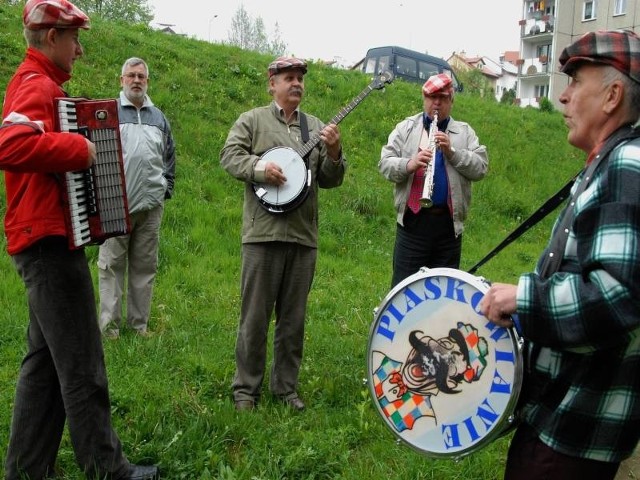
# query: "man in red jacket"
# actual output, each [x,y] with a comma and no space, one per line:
[63,376]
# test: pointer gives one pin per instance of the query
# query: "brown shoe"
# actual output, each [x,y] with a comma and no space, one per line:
[294,403]
[111,334]
[245,405]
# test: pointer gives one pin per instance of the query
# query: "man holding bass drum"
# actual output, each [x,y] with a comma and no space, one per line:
[579,312]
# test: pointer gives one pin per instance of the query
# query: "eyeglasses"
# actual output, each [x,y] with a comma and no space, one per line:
[139,76]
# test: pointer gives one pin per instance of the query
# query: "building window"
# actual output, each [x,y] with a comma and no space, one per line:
[543,50]
[589,10]
[620,7]
[541,90]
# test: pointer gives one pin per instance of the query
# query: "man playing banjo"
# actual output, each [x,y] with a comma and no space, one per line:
[279,242]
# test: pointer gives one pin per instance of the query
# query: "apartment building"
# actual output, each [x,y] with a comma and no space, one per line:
[548,26]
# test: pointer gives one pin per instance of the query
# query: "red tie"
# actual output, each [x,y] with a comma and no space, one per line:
[416,191]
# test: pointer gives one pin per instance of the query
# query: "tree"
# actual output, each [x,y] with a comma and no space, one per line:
[278,46]
[259,39]
[130,11]
[476,84]
[241,29]
[250,34]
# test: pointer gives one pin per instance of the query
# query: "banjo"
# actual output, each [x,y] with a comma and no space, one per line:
[287,197]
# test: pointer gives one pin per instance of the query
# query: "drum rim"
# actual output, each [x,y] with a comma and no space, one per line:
[507,418]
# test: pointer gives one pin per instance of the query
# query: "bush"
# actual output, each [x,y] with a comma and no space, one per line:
[546,105]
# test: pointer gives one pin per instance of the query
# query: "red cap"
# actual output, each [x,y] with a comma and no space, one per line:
[440,83]
[39,14]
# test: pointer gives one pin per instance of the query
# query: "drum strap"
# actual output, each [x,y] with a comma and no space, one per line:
[558,242]
[536,217]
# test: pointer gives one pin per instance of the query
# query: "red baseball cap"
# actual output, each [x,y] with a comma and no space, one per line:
[39,14]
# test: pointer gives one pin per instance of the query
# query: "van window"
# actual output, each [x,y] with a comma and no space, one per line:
[382,64]
[370,65]
[406,66]
[428,69]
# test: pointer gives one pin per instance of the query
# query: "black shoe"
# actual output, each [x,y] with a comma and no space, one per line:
[142,472]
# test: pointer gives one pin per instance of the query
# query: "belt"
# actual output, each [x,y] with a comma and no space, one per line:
[440,210]
[436,210]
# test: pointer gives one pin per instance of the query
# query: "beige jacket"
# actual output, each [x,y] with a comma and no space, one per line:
[468,164]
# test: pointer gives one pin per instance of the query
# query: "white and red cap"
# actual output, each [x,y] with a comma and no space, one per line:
[440,84]
[39,14]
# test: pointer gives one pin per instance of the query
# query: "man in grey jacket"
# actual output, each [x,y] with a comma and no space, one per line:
[149,162]
[431,236]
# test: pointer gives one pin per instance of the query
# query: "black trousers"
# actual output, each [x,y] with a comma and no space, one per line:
[530,459]
[427,239]
[63,375]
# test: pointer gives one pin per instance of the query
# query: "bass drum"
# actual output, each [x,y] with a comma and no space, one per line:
[442,377]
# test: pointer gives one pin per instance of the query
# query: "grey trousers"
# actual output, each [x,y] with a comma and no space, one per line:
[135,255]
[63,375]
[274,275]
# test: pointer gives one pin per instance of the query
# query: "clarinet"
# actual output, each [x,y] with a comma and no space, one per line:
[427,191]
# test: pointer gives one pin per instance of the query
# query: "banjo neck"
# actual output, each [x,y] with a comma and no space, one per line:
[378,83]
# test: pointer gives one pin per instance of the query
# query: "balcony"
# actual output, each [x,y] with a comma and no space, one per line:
[536,25]
[537,66]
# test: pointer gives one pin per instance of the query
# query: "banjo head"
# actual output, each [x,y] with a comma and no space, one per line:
[278,199]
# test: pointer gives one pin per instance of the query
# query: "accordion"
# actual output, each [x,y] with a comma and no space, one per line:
[95,199]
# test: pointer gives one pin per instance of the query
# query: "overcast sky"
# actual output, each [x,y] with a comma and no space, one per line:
[345,29]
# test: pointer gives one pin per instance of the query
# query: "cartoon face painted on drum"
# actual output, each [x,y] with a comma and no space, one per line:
[432,366]
[443,378]
[443,364]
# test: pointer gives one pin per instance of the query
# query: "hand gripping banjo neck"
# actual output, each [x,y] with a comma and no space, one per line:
[287,197]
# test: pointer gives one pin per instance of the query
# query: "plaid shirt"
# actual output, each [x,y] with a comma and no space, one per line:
[581,390]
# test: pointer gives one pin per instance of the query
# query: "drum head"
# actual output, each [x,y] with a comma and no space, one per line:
[443,378]
[293,168]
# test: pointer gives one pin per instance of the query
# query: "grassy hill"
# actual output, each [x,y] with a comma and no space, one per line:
[171,393]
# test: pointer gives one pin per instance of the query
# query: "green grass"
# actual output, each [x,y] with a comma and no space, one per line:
[171,392]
